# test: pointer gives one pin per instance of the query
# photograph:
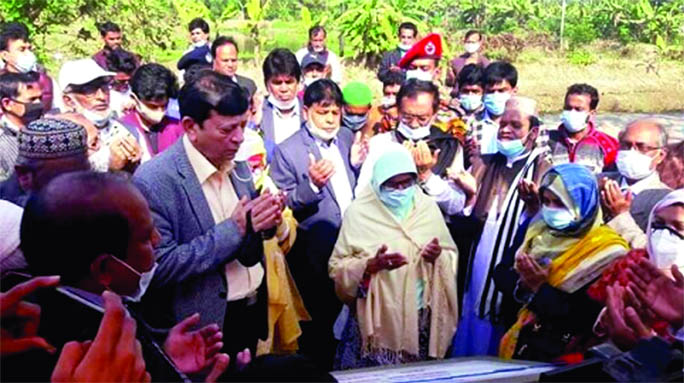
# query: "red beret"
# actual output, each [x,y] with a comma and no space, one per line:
[429,47]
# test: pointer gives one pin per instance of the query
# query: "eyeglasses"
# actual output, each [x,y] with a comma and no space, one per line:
[659,226]
[90,89]
[408,119]
[639,146]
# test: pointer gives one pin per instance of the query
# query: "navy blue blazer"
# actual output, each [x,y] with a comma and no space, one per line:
[267,127]
[318,214]
[193,250]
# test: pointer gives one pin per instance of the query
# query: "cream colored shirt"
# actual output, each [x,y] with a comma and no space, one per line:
[222,199]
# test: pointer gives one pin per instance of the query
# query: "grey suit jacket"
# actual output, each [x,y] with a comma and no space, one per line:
[268,129]
[193,250]
[318,214]
[246,83]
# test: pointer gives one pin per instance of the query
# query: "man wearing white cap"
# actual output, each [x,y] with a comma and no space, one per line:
[85,86]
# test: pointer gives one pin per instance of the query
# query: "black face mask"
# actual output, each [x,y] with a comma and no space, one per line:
[32,111]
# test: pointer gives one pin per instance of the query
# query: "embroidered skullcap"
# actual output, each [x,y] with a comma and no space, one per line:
[49,138]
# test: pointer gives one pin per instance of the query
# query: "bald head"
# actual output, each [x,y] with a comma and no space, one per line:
[650,129]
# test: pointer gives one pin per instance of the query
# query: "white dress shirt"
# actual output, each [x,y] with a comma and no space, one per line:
[340,180]
[285,126]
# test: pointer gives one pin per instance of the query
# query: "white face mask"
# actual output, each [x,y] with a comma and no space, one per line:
[283,105]
[152,116]
[574,121]
[199,44]
[472,47]
[414,134]
[309,80]
[404,47]
[144,281]
[26,62]
[419,75]
[99,119]
[634,165]
[322,134]
[667,249]
[388,101]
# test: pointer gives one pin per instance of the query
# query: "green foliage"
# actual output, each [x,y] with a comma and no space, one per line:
[369,27]
[581,57]
[190,9]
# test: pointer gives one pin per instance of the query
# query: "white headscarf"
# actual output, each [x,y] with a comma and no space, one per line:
[665,258]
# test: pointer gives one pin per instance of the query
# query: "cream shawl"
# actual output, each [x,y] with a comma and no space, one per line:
[388,316]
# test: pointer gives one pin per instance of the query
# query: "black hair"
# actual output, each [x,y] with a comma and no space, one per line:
[584,89]
[221,41]
[9,83]
[212,91]
[411,88]
[12,31]
[313,31]
[69,223]
[281,61]
[500,71]
[473,32]
[121,60]
[154,82]
[107,27]
[193,71]
[393,78]
[325,92]
[471,74]
[410,26]
[198,22]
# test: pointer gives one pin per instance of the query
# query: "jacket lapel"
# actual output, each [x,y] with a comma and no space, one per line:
[193,189]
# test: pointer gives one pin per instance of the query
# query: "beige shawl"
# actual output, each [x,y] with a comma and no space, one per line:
[388,316]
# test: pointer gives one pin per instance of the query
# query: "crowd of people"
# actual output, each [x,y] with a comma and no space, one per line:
[225,231]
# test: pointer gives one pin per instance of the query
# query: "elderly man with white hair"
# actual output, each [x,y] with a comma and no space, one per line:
[86,86]
[503,179]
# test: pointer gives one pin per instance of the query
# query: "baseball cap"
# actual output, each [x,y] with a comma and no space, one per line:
[79,72]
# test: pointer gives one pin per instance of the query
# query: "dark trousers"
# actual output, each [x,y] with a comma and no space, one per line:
[241,327]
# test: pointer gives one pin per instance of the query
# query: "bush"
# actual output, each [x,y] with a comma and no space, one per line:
[581,57]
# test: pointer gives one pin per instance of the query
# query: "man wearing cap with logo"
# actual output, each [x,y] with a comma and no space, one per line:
[85,87]
[313,68]
[20,104]
[422,60]
[48,147]
[317,47]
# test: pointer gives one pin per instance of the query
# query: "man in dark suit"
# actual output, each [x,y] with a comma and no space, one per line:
[224,50]
[281,114]
[212,234]
[315,169]
[102,228]
[408,35]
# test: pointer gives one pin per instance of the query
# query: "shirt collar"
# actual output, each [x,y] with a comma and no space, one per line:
[641,185]
[200,164]
[294,113]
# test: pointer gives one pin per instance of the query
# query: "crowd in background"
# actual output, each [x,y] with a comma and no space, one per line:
[227,231]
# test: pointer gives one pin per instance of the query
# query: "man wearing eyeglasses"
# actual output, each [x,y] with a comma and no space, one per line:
[438,155]
[86,90]
[627,195]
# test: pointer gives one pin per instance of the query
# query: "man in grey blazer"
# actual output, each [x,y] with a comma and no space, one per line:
[211,221]
[315,169]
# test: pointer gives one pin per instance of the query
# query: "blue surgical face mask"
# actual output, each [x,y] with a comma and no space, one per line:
[495,103]
[574,121]
[398,201]
[557,218]
[510,148]
[470,102]
[354,122]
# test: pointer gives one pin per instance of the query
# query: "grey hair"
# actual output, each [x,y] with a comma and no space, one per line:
[662,132]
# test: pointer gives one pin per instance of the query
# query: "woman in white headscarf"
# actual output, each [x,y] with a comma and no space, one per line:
[394,264]
[666,232]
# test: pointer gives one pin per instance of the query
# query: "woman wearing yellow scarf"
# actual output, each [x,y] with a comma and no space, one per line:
[394,264]
[562,254]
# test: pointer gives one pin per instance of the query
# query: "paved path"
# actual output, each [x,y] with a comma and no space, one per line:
[612,123]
